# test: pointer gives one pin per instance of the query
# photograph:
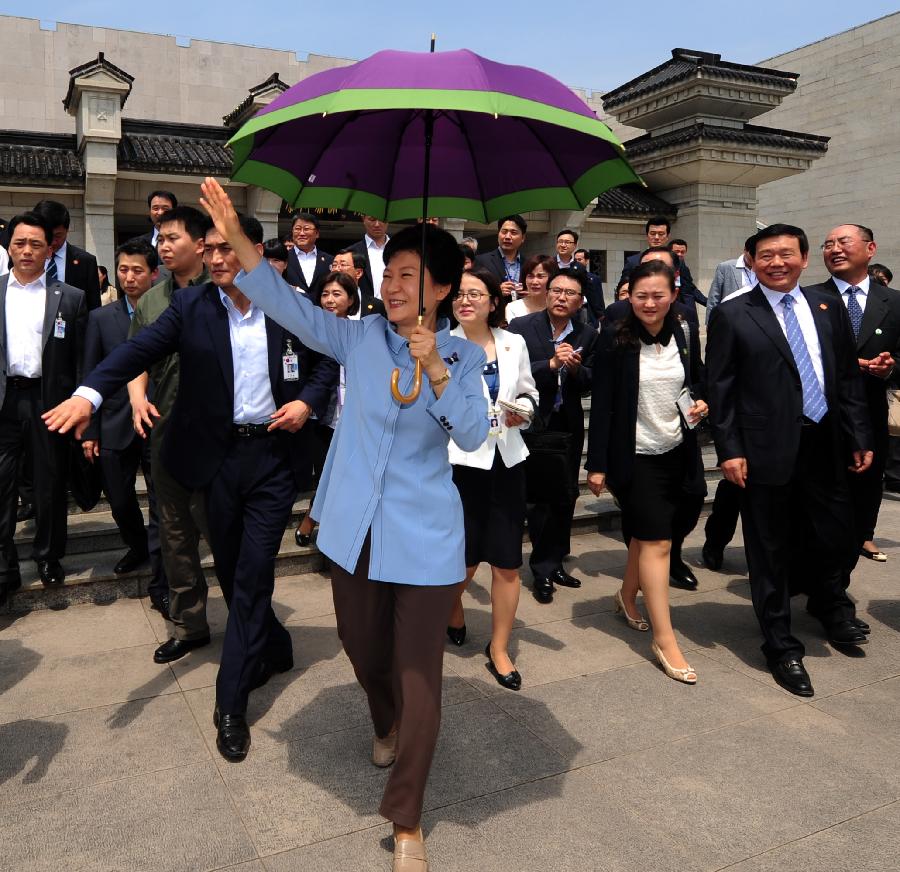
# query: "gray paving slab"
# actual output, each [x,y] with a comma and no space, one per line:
[170,821]
[874,708]
[42,757]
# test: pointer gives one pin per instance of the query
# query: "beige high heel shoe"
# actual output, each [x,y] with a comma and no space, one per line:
[410,856]
[639,623]
[686,676]
[384,751]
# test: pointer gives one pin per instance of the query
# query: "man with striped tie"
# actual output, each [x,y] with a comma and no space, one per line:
[789,417]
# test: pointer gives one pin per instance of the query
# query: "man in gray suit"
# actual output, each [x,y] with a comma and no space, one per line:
[42,326]
[731,276]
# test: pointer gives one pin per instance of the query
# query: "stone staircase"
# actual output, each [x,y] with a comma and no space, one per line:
[94,547]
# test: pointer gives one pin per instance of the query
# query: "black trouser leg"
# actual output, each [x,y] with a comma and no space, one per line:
[11,449]
[250,501]
[159,584]
[118,469]
[722,521]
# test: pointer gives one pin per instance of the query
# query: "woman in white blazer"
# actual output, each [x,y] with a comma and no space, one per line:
[491,479]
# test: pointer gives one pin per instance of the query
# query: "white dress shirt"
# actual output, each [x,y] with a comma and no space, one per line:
[376,262]
[60,258]
[749,277]
[25,307]
[861,297]
[253,400]
[308,261]
[807,325]
[154,236]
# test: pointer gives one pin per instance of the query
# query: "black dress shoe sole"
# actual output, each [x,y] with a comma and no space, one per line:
[863,639]
[194,644]
[682,584]
[806,691]
[231,756]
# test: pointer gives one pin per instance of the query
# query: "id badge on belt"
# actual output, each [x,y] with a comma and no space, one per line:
[290,364]
[494,420]
[59,328]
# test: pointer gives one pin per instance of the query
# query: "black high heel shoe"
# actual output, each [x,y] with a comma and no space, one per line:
[511,681]
[457,635]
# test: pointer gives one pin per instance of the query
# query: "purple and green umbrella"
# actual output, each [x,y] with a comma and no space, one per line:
[505,139]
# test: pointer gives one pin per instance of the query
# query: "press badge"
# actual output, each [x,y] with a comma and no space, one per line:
[289,364]
[59,328]
[494,420]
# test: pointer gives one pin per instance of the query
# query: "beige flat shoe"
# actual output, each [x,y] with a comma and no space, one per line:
[686,676]
[639,623]
[384,751]
[410,856]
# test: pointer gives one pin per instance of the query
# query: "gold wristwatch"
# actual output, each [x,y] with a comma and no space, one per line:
[440,381]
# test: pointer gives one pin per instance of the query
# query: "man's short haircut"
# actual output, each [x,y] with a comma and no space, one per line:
[195,223]
[31,219]
[468,252]
[678,242]
[584,251]
[139,248]
[308,217]
[518,220]
[53,212]
[275,249]
[253,230]
[865,232]
[472,242]
[568,231]
[656,221]
[747,242]
[774,230]
[443,259]
[653,249]
[167,195]
[359,260]
[876,268]
[579,275]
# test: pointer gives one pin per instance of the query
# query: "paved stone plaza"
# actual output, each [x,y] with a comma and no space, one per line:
[108,761]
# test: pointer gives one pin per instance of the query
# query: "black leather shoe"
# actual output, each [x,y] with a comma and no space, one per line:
[131,561]
[160,604]
[563,579]
[25,512]
[792,676]
[233,738]
[680,575]
[511,681]
[862,625]
[51,572]
[457,635]
[542,589]
[175,649]
[302,539]
[845,633]
[268,668]
[713,558]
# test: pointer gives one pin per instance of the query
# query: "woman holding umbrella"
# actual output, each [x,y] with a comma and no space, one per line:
[390,518]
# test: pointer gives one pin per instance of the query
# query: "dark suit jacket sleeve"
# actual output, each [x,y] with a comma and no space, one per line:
[722,380]
[138,354]
[630,264]
[544,378]
[601,403]
[93,354]
[698,368]
[851,386]
[595,296]
[92,282]
[687,282]
[583,376]
[319,387]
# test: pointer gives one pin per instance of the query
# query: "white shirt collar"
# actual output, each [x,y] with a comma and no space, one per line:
[61,254]
[775,297]
[740,263]
[307,255]
[228,303]
[842,286]
[371,243]
[39,283]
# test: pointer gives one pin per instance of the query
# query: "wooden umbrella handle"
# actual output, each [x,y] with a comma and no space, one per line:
[403,399]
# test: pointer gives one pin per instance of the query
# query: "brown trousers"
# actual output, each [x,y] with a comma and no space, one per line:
[394,637]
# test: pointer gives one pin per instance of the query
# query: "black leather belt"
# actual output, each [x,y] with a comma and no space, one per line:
[251,431]
[19,382]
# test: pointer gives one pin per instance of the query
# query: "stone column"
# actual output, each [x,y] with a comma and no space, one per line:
[265,207]
[455,226]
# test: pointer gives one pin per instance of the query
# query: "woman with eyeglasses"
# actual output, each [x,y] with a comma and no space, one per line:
[491,479]
[536,272]
[648,378]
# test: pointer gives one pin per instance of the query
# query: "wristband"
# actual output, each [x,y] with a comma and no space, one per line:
[442,380]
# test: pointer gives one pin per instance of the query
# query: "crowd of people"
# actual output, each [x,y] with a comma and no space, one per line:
[236,372]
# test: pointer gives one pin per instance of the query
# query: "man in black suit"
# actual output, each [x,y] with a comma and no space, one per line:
[687,290]
[371,249]
[110,437]
[874,312]
[561,349]
[42,325]
[236,433]
[688,513]
[158,203]
[505,261]
[595,289]
[788,413]
[351,262]
[307,266]
[66,262]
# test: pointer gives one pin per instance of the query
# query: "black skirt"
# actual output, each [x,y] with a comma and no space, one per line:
[656,489]
[493,503]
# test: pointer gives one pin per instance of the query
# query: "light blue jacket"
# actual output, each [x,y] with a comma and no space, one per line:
[387,470]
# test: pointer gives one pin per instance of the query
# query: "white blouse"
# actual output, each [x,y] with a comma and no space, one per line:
[660,382]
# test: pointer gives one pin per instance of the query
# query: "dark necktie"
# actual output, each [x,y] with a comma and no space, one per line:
[52,274]
[814,404]
[854,310]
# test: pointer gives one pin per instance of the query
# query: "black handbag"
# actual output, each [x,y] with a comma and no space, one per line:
[84,478]
[547,475]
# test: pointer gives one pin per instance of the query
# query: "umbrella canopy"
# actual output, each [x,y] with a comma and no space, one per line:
[505,139]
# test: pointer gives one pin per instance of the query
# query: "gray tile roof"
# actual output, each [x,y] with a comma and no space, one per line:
[632,201]
[27,157]
[750,134]
[174,148]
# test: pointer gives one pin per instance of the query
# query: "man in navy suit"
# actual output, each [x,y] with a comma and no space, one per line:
[111,438]
[788,412]
[237,434]
[505,261]
[594,293]
[307,266]
[371,249]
